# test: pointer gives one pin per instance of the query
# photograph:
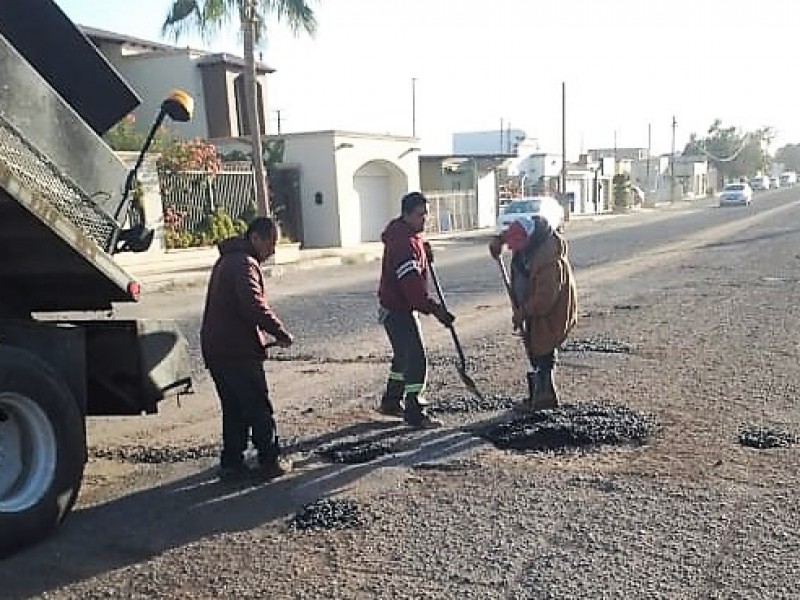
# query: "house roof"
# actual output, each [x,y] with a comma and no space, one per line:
[102,35]
[230,59]
[207,58]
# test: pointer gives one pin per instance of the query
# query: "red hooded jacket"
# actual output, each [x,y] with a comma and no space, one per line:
[404,273]
[237,318]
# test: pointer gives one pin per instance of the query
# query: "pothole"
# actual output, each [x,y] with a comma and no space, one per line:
[471,404]
[601,344]
[627,306]
[156,454]
[328,514]
[354,453]
[571,427]
[763,438]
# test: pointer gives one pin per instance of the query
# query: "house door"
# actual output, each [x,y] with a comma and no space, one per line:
[374,196]
[284,186]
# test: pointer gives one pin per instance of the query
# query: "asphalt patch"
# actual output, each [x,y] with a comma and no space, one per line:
[155,455]
[354,453]
[762,438]
[471,404]
[601,344]
[328,514]
[580,426]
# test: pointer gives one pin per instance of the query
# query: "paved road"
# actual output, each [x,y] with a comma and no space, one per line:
[706,298]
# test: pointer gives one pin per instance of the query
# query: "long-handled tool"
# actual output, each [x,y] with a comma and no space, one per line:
[507,284]
[462,361]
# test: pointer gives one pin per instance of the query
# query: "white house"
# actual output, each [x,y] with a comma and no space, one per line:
[350,183]
[215,82]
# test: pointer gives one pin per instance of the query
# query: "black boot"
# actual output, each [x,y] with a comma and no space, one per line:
[544,394]
[416,415]
[527,403]
[392,400]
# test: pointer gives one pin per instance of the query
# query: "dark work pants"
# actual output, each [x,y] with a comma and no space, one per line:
[408,349]
[542,362]
[246,410]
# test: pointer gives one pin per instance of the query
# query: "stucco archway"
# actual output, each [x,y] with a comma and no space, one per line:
[379,185]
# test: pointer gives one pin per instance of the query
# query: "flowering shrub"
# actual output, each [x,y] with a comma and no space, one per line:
[194,155]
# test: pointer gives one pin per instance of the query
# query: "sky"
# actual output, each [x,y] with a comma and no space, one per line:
[626,64]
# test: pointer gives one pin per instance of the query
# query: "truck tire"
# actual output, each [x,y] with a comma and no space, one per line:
[42,449]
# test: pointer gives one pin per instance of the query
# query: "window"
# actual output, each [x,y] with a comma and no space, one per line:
[242,122]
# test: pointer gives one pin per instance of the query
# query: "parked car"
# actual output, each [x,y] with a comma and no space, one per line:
[788,179]
[759,182]
[736,194]
[774,183]
[543,206]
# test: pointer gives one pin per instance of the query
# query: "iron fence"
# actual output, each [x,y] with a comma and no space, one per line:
[195,195]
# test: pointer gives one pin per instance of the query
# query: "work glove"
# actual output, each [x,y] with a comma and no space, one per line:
[444,316]
[496,247]
[428,251]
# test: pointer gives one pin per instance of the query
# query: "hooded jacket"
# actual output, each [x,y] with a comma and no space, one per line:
[544,287]
[237,318]
[404,272]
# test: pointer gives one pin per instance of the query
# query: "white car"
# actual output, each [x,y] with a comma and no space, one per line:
[542,206]
[759,182]
[736,193]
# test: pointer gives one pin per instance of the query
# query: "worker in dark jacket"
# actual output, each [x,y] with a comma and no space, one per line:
[545,299]
[403,294]
[237,325]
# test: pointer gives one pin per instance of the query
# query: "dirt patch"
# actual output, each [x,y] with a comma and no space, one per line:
[762,438]
[571,427]
[328,514]
[601,344]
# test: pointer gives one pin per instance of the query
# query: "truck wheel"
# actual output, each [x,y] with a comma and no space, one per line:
[42,449]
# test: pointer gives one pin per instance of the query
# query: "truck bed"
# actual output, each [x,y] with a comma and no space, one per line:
[52,236]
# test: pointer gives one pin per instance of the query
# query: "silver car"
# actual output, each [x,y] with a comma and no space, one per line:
[738,194]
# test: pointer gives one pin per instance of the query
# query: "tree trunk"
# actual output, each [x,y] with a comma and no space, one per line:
[251,100]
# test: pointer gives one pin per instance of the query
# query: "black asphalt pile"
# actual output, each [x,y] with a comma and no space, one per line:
[328,514]
[470,404]
[354,453]
[762,438]
[571,427]
[156,455]
[602,344]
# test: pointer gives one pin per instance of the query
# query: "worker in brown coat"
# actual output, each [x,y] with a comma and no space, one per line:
[545,299]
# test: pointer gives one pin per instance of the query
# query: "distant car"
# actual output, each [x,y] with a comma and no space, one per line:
[759,182]
[736,194]
[774,183]
[788,179]
[543,206]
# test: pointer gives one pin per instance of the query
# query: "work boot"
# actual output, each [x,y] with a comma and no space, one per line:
[236,473]
[392,401]
[272,468]
[416,415]
[544,394]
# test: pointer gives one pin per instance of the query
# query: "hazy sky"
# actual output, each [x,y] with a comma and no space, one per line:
[626,63]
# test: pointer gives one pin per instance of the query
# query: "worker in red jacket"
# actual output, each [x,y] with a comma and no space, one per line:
[237,325]
[403,294]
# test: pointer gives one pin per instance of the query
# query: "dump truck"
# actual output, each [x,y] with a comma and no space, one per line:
[65,213]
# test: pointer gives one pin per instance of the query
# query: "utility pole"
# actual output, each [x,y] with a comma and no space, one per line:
[278,114]
[564,200]
[502,150]
[672,163]
[649,147]
[413,107]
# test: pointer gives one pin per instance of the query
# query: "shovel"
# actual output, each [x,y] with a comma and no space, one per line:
[462,361]
[507,284]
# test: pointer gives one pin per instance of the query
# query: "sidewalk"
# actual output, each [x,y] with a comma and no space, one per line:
[191,267]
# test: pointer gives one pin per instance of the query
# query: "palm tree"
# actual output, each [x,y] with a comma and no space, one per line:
[209,16]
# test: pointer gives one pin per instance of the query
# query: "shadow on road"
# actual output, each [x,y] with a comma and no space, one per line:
[139,526]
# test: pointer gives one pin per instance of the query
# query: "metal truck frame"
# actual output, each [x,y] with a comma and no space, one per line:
[64,200]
